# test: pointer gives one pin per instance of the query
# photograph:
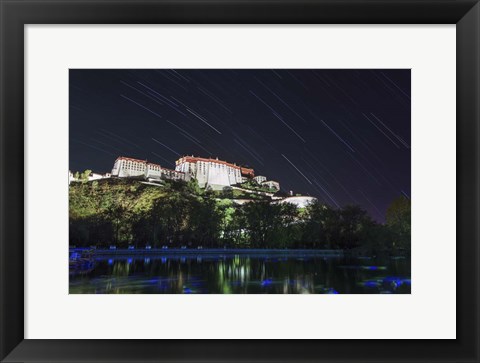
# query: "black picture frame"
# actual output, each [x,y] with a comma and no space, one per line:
[15,14]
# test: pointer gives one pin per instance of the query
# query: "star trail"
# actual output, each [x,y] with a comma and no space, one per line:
[342,136]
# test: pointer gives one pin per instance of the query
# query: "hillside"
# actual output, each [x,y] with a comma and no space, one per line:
[126,212]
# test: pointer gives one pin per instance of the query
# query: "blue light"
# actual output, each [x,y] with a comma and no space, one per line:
[394,282]
[110,261]
[74,255]
[266,282]
[332,291]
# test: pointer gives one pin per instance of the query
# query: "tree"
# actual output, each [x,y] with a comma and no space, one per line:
[84,176]
[205,221]
[193,188]
[314,225]
[353,219]
[171,217]
[227,193]
[322,226]
[398,220]
[269,225]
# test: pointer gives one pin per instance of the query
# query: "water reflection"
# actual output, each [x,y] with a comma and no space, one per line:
[239,274]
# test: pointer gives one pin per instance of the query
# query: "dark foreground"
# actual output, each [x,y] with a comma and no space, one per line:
[220,272]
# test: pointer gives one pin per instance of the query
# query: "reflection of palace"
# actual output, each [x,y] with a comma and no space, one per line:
[214,173]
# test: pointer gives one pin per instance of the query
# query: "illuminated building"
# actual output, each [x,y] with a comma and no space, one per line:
[299,201]
[260,179]
[271,184]
[128,167]
[213,173]
[209,173]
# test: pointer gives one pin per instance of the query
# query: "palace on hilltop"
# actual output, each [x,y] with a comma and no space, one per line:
[208,172]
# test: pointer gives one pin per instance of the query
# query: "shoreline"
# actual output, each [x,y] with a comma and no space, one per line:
[206,251]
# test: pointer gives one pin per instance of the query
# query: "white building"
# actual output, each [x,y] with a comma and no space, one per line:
[91,176]
[260,179]
[213,173]
[299,201]
[129,167]
[71,177]
[271,184]
[173,174]
[152,171]
[97,176]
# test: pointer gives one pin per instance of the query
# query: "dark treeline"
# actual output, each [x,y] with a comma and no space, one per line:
[127,212]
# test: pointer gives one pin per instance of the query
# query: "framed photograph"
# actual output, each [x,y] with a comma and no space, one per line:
[176,223]
[239,181]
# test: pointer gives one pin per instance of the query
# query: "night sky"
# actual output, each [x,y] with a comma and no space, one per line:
[342,136]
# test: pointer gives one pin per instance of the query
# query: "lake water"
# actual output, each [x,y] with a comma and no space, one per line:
[239,274]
